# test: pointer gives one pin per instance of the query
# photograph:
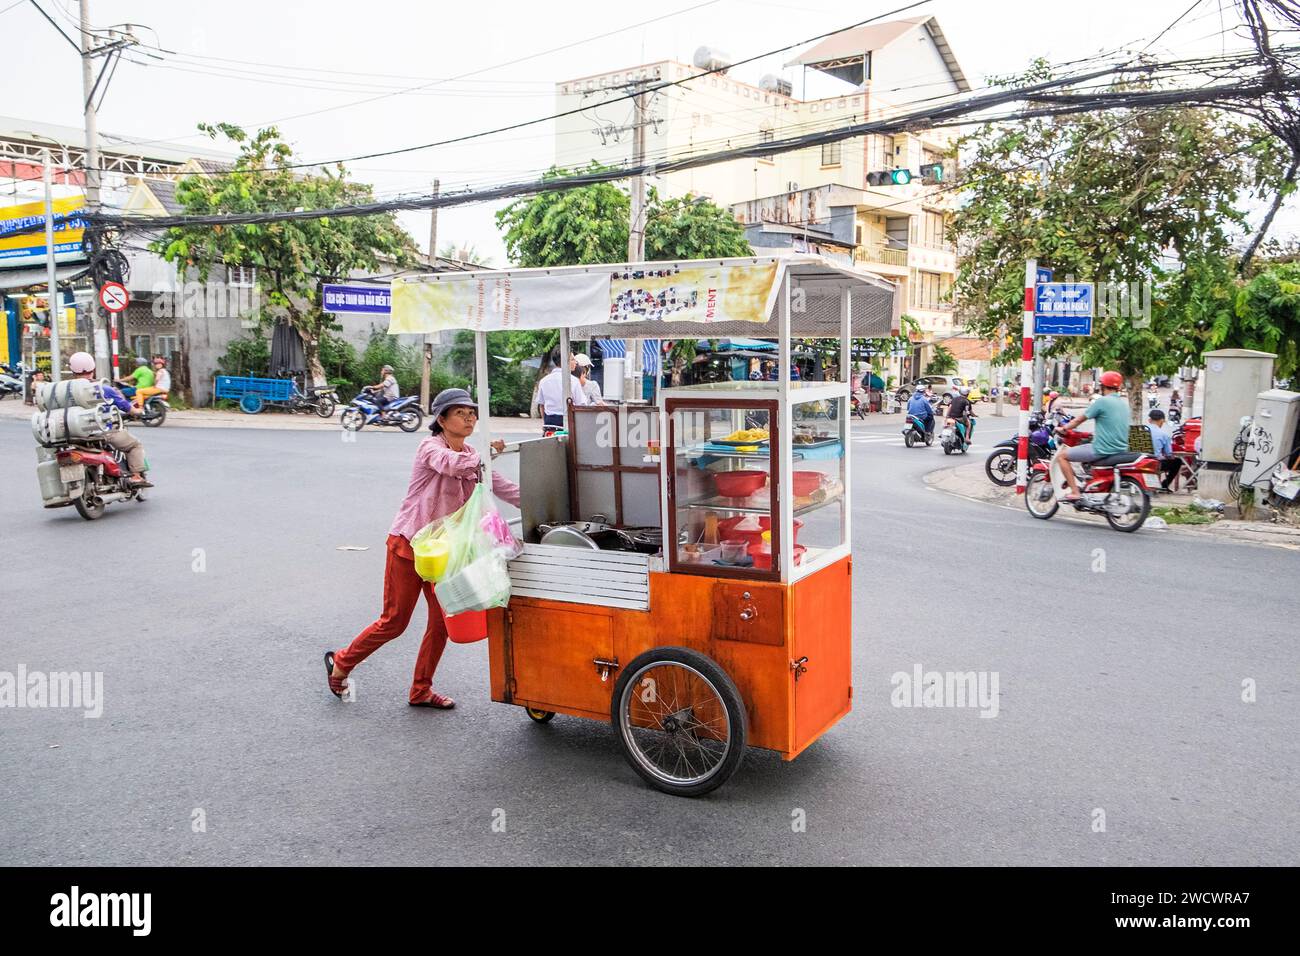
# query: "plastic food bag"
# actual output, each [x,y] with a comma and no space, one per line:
[477,543]
[460,535]
[482,584]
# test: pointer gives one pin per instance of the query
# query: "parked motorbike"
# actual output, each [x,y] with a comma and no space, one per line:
[321,399]
[915,431]
[954,438]
[1114,486]
[857,405]
[365,410]
[1000,466]
[11,380]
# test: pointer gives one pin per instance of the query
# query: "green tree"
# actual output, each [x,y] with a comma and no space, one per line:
[1266,316]
[1119,197]
[943,362]
[691,228]
[567,227]
[294,258]
[590,224]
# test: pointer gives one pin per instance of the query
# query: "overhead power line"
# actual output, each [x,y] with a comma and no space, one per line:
[1052,103]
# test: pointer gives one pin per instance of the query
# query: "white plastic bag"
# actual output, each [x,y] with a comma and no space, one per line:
[482,584]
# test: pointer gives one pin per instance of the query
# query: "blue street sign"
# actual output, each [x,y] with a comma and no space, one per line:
[1044,274]
[1063,308]
[362,299]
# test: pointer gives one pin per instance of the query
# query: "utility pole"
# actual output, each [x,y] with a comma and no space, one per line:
[433,264]
[92,175]
[1026,373]
[636,229]
[56,360]
[87,90]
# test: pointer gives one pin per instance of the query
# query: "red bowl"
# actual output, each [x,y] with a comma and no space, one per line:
[763,559]
[806,482]
[727,530]
[739,484]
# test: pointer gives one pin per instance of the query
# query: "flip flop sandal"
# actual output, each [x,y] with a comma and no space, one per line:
[337,684]
[439,701]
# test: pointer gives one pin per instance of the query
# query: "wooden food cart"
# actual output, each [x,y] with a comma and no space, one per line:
[735,630]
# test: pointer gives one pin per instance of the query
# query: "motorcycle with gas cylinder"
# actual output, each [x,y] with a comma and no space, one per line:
[1114,486]
[365,409]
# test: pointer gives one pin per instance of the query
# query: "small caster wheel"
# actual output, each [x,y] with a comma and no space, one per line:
[541,716]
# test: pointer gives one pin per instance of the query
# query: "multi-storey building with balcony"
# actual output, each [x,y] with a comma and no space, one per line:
[817,199]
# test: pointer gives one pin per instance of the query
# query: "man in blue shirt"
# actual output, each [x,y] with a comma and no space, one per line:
[1170,464]
[919,405]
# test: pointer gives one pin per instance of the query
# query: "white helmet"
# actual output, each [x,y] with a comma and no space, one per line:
[81,362]
[963,390]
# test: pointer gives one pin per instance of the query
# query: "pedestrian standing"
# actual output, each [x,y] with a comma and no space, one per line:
[1163,445]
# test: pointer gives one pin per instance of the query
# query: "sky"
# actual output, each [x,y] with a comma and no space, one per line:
[341,78]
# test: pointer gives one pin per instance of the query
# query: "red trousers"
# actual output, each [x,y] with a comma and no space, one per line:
[402,589]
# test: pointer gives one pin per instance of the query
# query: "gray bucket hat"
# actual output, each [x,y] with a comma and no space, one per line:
[448,398]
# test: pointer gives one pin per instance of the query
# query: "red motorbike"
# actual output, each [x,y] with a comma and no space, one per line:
[1114,486]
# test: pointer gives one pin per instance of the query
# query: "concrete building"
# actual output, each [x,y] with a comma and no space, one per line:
[810,200]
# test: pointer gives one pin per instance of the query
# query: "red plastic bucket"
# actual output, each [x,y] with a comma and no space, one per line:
[466,627]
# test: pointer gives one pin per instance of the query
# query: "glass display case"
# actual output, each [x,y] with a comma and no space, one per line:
[754,481]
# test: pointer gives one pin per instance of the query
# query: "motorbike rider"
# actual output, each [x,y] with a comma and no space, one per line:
[161,385]
[83,366]
[1110,436]
[141,378]
[919,405]
[386,390]
[959,410]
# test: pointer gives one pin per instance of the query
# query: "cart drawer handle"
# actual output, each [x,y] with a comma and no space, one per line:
[605,667]
[799,667]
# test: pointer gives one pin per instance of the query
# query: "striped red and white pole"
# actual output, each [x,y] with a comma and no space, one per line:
[1026,377]
[112,326]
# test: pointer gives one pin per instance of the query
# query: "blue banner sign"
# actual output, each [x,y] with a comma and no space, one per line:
[361,299]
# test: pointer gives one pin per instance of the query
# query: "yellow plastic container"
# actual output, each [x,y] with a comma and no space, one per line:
[431,559]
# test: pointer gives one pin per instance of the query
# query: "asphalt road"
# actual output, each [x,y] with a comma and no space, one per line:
[208,607]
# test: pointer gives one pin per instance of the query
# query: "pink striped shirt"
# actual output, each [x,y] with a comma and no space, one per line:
[441,481]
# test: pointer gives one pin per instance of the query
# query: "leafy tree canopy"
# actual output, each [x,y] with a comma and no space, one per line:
[294,258]
[1123,197]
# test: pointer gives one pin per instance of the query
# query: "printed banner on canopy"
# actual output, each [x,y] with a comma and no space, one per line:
[742,293]
[502,303]
[22,232]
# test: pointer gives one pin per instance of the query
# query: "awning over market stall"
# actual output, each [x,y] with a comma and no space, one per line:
[712,298]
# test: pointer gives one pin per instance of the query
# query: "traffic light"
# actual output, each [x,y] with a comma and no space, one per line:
[890,177]
[932,172]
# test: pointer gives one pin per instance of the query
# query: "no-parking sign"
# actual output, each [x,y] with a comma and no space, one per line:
[114,297]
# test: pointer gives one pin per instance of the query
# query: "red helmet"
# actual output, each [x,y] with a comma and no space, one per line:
[1112,380]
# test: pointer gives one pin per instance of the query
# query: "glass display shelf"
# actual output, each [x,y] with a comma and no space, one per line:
[752,508]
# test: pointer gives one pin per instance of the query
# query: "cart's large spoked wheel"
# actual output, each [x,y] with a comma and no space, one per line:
[680,720]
